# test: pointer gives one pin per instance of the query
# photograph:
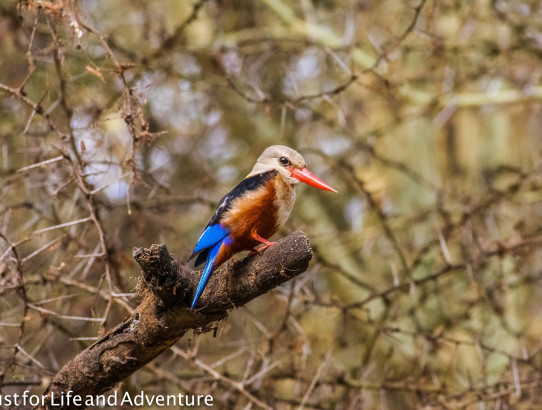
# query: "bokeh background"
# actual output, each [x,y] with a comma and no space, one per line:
[122,123]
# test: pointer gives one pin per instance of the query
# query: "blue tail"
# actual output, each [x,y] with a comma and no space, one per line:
[211,257]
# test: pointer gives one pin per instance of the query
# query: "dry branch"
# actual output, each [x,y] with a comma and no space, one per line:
[163,317]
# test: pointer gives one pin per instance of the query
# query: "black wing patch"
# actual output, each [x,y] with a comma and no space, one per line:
[202,257]
[246,185]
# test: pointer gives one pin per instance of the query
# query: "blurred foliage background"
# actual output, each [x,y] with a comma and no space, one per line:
[122,123]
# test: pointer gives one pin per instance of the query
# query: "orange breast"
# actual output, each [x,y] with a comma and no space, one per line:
[255,212]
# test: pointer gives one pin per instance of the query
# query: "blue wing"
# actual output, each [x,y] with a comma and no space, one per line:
[212,235]
[211,257]
[208,246]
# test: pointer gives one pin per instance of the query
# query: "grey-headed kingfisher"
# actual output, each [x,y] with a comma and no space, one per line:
[254,210]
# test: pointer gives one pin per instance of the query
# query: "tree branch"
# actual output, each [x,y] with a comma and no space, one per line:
[163,317]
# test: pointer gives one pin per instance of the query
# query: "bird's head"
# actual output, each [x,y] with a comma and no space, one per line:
[290,164]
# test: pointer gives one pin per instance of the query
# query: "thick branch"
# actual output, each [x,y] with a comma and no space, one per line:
[163,316]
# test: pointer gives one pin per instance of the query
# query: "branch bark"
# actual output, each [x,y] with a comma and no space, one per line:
[163,316]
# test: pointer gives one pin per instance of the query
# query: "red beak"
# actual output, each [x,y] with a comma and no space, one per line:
[304,175]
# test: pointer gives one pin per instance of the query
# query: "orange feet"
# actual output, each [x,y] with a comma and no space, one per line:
[266,243]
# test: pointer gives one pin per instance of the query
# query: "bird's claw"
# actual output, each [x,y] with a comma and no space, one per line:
[263,248]
[254,251]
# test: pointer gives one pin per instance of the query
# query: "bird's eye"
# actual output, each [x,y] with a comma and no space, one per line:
[284,161]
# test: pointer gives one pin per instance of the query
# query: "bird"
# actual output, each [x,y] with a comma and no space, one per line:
[253,211]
